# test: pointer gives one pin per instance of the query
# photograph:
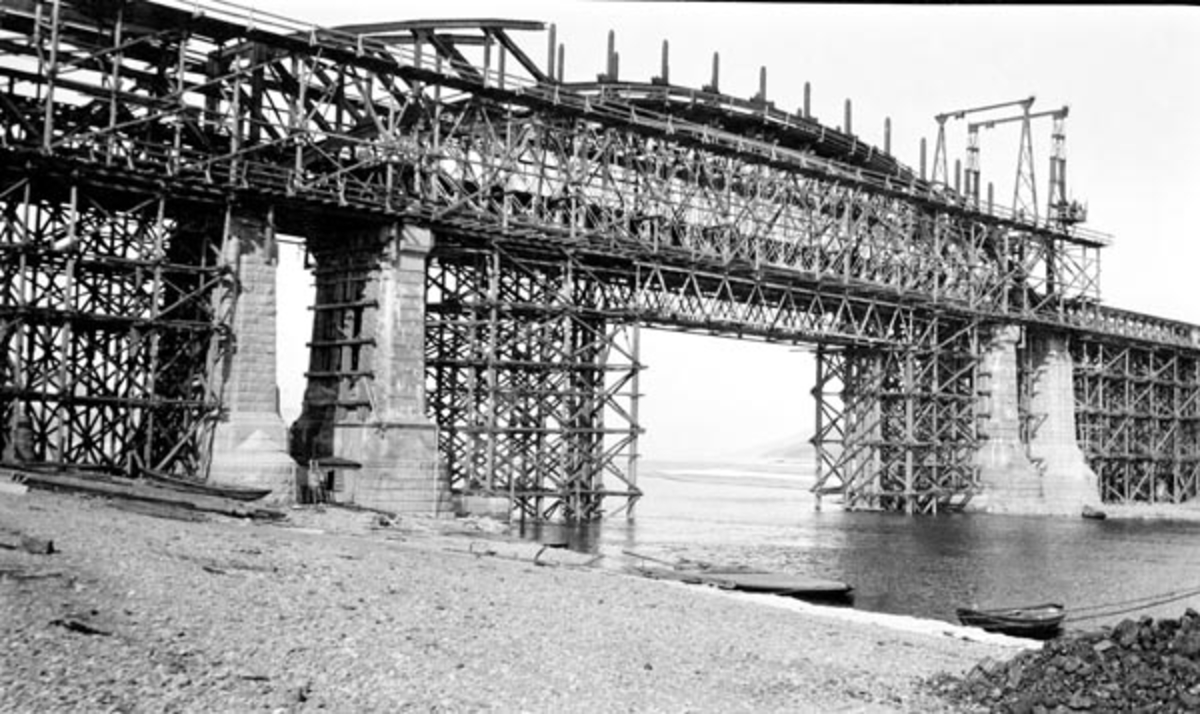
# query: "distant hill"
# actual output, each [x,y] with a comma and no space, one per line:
[795,449]
[789,448]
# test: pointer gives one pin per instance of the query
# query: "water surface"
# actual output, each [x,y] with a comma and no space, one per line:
[763,515]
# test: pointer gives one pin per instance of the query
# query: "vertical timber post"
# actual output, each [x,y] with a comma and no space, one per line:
[819,424]
[910,436]
[631,463]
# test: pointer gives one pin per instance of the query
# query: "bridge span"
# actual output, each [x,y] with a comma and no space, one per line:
[488,239]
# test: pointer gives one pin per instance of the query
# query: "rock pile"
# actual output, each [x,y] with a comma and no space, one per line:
[1139,665]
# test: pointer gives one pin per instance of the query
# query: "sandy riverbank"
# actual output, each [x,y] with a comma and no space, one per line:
[335,611]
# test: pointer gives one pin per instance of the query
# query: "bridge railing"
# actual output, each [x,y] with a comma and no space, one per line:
[245,16]
[1125,324]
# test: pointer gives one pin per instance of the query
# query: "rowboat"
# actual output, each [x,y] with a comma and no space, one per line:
[798,586]
[1038,622]
[744,579]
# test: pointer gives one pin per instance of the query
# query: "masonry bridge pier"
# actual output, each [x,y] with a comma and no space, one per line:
[488,239]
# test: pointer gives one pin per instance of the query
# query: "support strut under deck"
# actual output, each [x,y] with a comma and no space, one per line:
[533,388]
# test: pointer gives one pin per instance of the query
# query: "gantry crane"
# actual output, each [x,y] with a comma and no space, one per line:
[940,172]
[1025,189]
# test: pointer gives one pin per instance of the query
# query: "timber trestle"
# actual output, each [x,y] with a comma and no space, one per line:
[488,241]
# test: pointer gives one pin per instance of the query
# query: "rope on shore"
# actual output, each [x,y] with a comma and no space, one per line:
[1121,607]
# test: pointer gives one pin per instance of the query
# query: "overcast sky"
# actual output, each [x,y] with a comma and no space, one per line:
[1131,76]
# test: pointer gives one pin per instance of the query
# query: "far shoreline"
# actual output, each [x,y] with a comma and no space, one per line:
[775,472]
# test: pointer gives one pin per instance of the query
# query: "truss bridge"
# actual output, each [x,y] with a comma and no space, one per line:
[487,240]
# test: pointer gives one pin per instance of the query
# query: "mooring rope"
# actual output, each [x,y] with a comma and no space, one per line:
[1095,612]
[1077,614]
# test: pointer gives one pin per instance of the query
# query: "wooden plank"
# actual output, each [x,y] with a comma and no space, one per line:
[143,492]
[170,511]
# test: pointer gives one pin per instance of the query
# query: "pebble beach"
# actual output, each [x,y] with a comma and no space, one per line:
[353,611]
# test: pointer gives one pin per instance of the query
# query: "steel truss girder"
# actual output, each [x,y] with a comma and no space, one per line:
[114,312]
[672,202]
[896,427]
[775,308]
[414,132]
[1138,418]
[533,388]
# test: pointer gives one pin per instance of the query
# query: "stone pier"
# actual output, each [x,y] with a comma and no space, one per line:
[1047,475]
[365,400]
[1011,483]
[250,442]
[1068,483]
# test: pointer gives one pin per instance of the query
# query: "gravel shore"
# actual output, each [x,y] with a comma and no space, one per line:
[350,611]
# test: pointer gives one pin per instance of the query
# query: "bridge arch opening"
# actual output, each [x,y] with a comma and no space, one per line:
[701,399]
[708,398]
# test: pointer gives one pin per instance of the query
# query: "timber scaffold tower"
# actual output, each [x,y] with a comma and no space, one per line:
[150,150]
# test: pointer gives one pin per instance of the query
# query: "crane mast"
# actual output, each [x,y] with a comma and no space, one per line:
[940,172]
[1025,204]
[1059,208]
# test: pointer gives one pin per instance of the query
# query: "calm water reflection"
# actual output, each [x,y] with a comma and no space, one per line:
[897,564]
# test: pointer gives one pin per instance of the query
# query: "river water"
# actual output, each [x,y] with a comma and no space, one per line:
[764,515]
